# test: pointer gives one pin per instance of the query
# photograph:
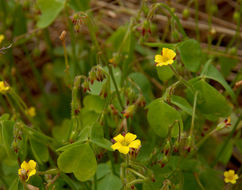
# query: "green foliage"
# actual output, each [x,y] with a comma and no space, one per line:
[99,81]
[80,160]
[162,117]
[49,11]
[191,54]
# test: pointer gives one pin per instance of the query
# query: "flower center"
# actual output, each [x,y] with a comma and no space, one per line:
[230,177]
[124,143]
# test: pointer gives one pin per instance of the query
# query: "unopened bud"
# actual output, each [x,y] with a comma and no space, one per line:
[128,112]
[85,86]
[63,35]
[236,16]
[186,13]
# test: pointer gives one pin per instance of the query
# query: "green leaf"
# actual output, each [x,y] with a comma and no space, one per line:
[97,137]
[161,116]
[211,179]
[7,134]
[238,144]
[144,84]
[78,5]
[49,11]
[164,73]
[60,133]
[94,103]
[191,53]
[209,71]
[227,64]
[20,22]
[102,170]
[210,101]
[87,118]
[110,182]
[14,185]
[227,152]
[182,104]
[80,160]
[4,116]
[39,150]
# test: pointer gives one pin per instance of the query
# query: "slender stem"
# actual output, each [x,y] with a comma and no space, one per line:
[135,182]
[50,171]
[226,141]
[180,78]
[95,41]
[95,182]
[199,144]
[198,181]
[196,20]
[136,173]
[193,113]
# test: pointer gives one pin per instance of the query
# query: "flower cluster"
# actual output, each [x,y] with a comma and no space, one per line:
[31,112]
[230,177]
[165,58]
[27,170]
[123,143]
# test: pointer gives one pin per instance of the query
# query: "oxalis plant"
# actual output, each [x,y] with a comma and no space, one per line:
[116,108]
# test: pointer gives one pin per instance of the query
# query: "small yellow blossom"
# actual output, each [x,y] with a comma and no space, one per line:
[124,143]
[166,58]
[1,38]
[31,112]
[27,170]
[230,177]
[3,87]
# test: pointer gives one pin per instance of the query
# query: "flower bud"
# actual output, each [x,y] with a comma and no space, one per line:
[233,51]
[236,16]
[105,89]
[85,86]
[186,13]
[176,146]
[167,148]
[63,35]
[92,76]
[128,112]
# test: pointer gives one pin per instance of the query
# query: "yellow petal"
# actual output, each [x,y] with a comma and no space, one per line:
[116,146]
[169,53]
[119,138]
[19,171]
[32,172]
[124,149]
[129,137]
[25,165]
[168,62]
[135,144]
[1,38]
[226,180]
[233,181]
[158,59]
[32,164]
[236,176]
[159,64]
[231,172]
[226,174]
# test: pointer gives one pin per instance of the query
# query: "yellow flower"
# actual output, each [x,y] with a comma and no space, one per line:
[1,38]
[3,87]
[230,177]
[166,58]
[124,143]
[27,170]
[31,112]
